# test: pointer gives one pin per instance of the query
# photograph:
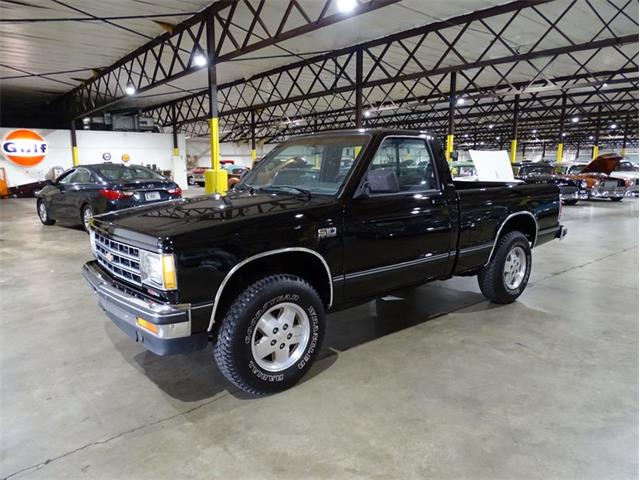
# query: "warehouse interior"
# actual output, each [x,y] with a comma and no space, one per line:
[431,382]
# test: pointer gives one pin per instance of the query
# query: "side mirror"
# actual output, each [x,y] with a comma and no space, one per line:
[363,191]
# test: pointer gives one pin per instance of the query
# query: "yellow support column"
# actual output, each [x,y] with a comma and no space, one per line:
[76,157]
[595,152]
[176,152]
[623,152]
[560,153]
[449,148]
[513,151]
[254,155]
[215,179]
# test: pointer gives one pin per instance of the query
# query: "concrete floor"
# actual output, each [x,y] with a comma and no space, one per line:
[444,385]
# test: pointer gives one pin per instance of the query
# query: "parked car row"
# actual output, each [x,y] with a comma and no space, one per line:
[605,177]
[195,176]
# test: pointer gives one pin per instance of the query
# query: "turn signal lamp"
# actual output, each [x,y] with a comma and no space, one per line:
[147,325]
[169,272]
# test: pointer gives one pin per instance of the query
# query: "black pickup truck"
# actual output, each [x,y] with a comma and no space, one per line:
[303,234]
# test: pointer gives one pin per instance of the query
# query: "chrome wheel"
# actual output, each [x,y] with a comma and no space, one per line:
[42,211]
[280,337]
[515,268]
[87,215]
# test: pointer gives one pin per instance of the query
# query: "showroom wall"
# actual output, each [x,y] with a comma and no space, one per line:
[142,149]
[240,153]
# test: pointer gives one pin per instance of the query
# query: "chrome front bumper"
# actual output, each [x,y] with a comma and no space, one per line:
[171,322]
[619,192]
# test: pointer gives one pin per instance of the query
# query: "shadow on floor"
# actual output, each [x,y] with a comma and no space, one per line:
[195,376]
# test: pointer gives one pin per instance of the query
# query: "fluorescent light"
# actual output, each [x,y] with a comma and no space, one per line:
[346,6]
[86,120]
[466,135]
[199,60]
[564,134]
[367,113]
[460,101]
[613,126]
[575,119]
[534,131]
[490,126]
[130,90]
[590,137]
[605,85]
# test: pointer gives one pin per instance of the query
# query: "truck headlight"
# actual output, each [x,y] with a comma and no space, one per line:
[158,270]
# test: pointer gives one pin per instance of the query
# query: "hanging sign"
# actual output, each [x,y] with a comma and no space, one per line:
[24,147]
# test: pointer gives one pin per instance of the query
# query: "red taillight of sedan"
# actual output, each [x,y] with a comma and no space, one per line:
[115,194]
[175,192]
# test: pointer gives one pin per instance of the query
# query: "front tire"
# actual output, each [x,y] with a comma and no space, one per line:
[43,213]
[616,199]
[270,335]
[506,276]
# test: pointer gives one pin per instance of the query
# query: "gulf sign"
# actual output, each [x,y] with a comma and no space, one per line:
[24,147]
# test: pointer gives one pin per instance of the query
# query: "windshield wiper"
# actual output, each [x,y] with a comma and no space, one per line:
[279,188]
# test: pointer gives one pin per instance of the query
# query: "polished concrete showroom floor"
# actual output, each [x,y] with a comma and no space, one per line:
[440,384]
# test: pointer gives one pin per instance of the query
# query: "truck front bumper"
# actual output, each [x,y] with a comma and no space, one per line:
[161,328]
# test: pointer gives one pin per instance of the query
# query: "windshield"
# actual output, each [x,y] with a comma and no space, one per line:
[626,167]
[126,172]
[316,165]
[537,170]
[575,169]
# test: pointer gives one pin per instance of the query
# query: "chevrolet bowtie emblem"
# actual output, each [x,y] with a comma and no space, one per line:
[109,257]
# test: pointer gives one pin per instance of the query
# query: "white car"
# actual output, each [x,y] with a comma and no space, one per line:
[627,171]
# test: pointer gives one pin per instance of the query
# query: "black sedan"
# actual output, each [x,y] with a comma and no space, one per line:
[82,192]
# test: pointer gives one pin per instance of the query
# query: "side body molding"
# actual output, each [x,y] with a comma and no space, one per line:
[504,222]
[237,267]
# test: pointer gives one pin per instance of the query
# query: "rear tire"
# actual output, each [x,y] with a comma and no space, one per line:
[570,202]
[86,215]
[616,199]
[270,335]
[505,277]
[43,213]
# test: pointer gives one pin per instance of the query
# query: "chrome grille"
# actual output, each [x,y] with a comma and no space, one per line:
[611,184]
[120,260]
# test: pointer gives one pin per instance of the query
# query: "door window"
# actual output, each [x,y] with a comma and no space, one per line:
[67,178]
[82,175]
[409,160]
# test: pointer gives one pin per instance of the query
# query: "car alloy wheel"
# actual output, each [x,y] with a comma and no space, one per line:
[515,268]
[42,211]
[87,215]
[280,337]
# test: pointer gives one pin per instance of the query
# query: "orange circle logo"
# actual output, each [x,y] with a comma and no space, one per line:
[24,147]
[125,157]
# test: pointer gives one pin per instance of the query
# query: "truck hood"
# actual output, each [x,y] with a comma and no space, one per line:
[175,217]
[605,163]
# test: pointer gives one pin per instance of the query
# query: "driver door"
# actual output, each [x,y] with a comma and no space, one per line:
[401,234]
[59,203]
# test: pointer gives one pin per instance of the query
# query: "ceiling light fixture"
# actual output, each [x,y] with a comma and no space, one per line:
[130,90]
[199,60]
[346,6]
[613,126]
[575,119]
[490,126]
[460,101]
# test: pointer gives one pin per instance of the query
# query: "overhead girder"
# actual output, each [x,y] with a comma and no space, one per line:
[429,113]
[320,83]
[241,27]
